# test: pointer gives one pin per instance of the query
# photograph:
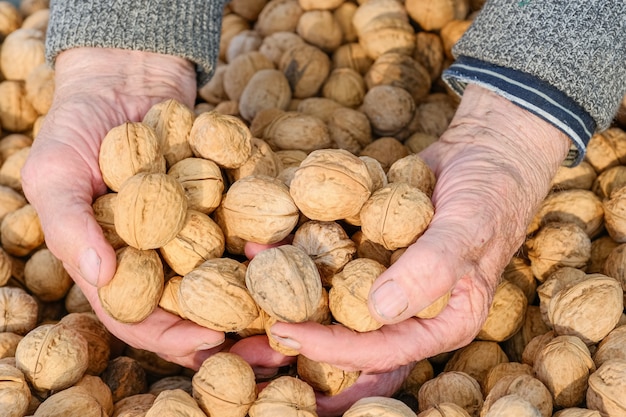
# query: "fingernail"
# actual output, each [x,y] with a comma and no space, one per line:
[89,265]
[389,300]
[207,346]
[287,342]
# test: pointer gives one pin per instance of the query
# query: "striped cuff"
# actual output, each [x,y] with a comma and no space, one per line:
[530,93]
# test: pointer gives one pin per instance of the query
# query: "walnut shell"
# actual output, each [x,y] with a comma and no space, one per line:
[16,113]
[388,108]
[10,171]
[505,369]
[242,43]
[39,85]
[582,177]
[379,407]
[52,357]
[352,55]
[612,346]
[285,396]
[76,302]
[6,266]
[386,150]
[45,276]
[452,387]
[97,336]
[129,149]
[377,172]
[8,344]
[606,388]
[506,314]
[225,385]
[320,28]
[349,129]
[331,184]
[324,377]
[524,385]
[346,86]
[533,326]
[275,44]
[10,19]
[95,386]
[350,291]
[285,283]
[21,232]
[421,372]
[609,180]
[14,392]
[147,198]
[399,70]
[429,52]
[136,405]
[22,51]
[177,402]
[127,378]
[365,248]
[606,149]
[512,405]
[519,272]
[278,16]
[614,215]
[306,68]
[139,276]
[18,310]
[71,402]
[267,89]
[328,244]
[476,359]
[171,121]
[214,295]
[577,412]
[564,365]
[413,170]
[199,239]
[241,69]
[10,200]
[223,139]
[294,130]
[396,215]
[103,212]
[181,382]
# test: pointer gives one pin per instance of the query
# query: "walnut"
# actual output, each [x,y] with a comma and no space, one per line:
[377,173]
[519,272]
[37,17]
[103,212]
[389,109]
[366,248]
[263,161]
[71,402]
[430,53]
[21,232]
[349,294]
[387,150]
[285,396]
[242,43]
[181,382]
[306,68]
[295,130]
[223,139]
[343,14]
[267,89]
[614,216]
[324,377]
[396,215]
[609,180]
[285,283]
[97,336]
[320,28]
[275,44]
[524,385]
[10,171]
[278,16]
[10,200]
[419,141]
[171,121]
[606,388]
[506,314]
[14,392]
[379,407]
[95,386]
[476,359]
[213,91]
[22,51]
[126,378]
[16,113]
[577,412]
[8,344]
[421,372]
[202,181]
[564,365]
[232,24]
[352,55]
[328,244]
[399,70]
[241,69]
[134,406]
[413,170]
[533,326]
[45,276]
[331,184]
[534,346]
[452,387]
[505,369]
[581,177]
[176,402]
[18,310]
[214,295]
[512,405]
[612,346]
[199,239]
[10,19]
[135,289]
[432,15]
[6,266]
[451,32]
[558,244]
[76,302]
[606,149]
[320,4]
[143,199]
[225,385]
[39,85]
[346,86]
[349,129]
[52,356]
[129,149]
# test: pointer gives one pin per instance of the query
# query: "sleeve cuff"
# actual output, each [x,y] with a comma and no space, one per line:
[530,93]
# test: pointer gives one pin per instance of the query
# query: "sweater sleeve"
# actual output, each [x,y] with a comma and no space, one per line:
[189,29]
[563,60]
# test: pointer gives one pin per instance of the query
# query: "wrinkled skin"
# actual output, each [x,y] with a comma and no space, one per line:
[494,165]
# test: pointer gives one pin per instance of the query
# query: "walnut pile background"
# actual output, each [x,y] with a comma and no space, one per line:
[311,127]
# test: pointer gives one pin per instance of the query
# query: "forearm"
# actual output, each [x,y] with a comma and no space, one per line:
[188,29]
[571,51]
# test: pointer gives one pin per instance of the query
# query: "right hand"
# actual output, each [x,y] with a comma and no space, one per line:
[97,89]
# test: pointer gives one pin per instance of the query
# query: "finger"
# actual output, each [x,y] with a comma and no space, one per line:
[257,352]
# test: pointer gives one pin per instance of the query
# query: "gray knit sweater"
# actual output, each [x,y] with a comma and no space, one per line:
[565,60]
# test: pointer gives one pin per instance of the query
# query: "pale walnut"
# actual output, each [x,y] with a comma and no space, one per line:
[294,130]
[171,121]
[519,272]
[366,248]
[559,279]
[413,170]
[589,309]
[377,173]
[225,385]
[10,18]
[10,171]
[444,410]
[45,276]
[331,184]
[582,207]
[10,200]
[564,365]
[266,89]
[324,377]
[285,283]
[524,385]
[320,107]
[213,91]
[451,32]
[103,212]
[291,157]
[476,359]
[214,295]
[76,302]
[175,402]
[278,16]
[346,86]
[234,244]
[275,44]
[421,372]
[512,406]
[606,149]
[15,393]
[97,336]
[241,69]
[170,299]
[320,28]
[21,232]
[182,382]
[614,214]
[39,86]
[613,265]
[612,346]
[396,215]
[558,244]
[379,407]
[95,386]
[606,388]
[349,129]
[348,296]
[400,70]
[129,149]
[344,13]
[224,139]
[18,310]
[22,51]
[506,313]
[369,11]
[577,412]
[432,15]
[16,113]
[144,199]
[71,402]
[534,346]
[135,289]
[8,344]
[6,266]
[609,180]
[306,68]
[242,43]
[37,18]
[232,24]
[419,141]
[581,177]
[328,244]
[352,55]
[285,396]
[389,109]
[263,161]
[386,150]
[52,357]
[387,34]
[136,405]
[452,387]
[430,53]
[505,369]
[199,239]
[202,181]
